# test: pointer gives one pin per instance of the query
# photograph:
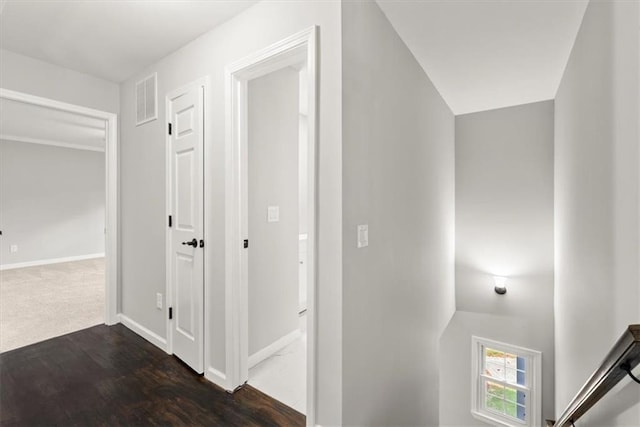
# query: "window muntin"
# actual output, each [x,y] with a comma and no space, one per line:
[506,380]
[505,384]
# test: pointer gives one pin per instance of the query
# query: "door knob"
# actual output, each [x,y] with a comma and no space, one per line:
[193,243]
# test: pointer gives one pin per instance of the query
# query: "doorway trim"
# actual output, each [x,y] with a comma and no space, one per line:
[205,83]
[112,189]
[300,47]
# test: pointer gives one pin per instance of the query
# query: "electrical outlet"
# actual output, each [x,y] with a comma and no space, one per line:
[159,301]
[14,249]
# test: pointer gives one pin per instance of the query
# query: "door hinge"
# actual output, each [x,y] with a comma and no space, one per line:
[169,128]
[170,221]
[246,243]
[170,313]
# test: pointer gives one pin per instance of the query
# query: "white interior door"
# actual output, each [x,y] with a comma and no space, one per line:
[187,229]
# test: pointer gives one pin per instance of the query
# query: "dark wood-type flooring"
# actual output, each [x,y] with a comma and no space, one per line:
[111,376]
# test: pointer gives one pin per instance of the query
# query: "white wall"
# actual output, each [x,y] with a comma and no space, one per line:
[273,181]
[143,177]
[35,77]
[504,227]
[596,206]
[398,177]
[303,188]
[52,202]
[303,152]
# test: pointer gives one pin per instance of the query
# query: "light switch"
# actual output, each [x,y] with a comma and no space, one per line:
[363,236]
[273,214]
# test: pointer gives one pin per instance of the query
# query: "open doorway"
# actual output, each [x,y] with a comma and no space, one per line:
[57,217]
[277,231]
[271,164]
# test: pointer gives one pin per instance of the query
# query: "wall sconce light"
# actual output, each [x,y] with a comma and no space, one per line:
[500,285]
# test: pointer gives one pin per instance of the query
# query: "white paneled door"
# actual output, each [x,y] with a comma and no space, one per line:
[186,207]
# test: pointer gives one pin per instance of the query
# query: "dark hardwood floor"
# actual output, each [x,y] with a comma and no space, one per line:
[111,376]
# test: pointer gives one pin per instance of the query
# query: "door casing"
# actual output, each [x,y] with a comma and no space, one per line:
[298,48]
[112,190]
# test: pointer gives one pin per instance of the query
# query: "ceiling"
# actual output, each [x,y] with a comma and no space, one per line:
[487,54]
[110,39]
[480,54]
[24,122]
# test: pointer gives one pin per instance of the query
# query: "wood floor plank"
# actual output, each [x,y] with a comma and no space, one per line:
[111,376]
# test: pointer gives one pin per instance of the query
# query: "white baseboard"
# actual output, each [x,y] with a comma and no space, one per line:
[273,348]
[145,333]
[49,261]
[216,377]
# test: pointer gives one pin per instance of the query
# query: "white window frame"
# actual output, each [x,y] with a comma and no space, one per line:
[533,382]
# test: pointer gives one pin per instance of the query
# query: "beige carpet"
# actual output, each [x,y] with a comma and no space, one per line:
[38,303]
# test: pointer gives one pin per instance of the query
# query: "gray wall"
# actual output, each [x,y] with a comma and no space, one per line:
[504,227]
[596,206]
[273,181]
[35,77]
[52,202]
[455,350]
[398,177]
[142,173]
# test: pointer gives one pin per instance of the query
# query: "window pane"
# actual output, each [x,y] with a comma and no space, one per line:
[521,364]
[521,415]
[496,354]
[496,390]
[510,409]
[494,357]
[521,397]
[495,403]
[510,394]
[521,378]
[511,376]
[510,361]
[494,370]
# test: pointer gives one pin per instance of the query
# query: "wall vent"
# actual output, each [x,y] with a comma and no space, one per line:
[147,99]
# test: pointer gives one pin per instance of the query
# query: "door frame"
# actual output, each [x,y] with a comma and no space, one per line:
[112,189]
[205,83]
[295,49]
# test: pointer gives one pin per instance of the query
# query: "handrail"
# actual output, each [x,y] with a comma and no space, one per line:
[621,359]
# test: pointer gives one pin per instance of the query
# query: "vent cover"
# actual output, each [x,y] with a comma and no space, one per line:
[146,100]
